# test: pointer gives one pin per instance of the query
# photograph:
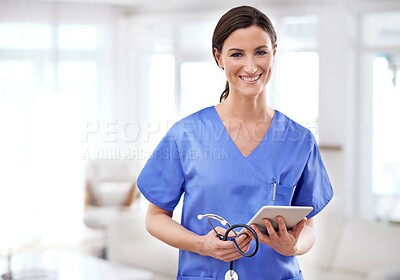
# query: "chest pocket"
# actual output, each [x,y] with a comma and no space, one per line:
[281,194]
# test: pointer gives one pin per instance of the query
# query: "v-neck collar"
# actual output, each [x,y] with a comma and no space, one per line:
[225,131]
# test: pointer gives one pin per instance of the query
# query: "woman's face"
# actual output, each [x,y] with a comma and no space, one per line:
[247,57]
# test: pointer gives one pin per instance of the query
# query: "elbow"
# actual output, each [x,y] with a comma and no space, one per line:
[148,222]
[156,220]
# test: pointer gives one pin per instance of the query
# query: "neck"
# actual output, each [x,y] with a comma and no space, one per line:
[248,109]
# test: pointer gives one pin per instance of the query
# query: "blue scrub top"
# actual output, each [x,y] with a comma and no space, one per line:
[198,159]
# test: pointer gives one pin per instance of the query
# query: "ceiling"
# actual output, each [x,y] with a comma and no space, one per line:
[151,6]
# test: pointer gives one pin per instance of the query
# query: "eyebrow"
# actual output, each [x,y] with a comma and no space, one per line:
[240,50]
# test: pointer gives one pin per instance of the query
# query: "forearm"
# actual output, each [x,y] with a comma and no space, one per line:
[306,238]
[160,224]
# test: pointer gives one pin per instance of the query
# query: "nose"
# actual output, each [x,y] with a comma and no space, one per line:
[250,67]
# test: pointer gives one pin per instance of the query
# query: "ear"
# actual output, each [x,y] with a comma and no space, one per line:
[218,58]
[274,51]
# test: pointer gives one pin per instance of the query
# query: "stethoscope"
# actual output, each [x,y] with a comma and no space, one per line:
[231,274]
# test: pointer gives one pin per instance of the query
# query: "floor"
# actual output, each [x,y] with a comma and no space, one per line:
[56,264]
[92,243]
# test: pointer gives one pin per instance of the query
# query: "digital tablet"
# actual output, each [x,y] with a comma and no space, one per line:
[291,214]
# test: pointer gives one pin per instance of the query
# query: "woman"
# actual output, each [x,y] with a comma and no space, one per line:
[233,158]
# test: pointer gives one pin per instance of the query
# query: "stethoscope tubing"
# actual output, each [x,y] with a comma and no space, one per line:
[231,274]
[225,237]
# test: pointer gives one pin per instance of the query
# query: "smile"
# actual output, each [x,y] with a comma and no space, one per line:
[250,79]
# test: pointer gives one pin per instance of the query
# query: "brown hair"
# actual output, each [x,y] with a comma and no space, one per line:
[237,18]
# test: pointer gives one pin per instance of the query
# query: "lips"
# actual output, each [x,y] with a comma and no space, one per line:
[250,79]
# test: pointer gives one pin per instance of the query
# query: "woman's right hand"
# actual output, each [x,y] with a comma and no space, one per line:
[224,250]
[160,224]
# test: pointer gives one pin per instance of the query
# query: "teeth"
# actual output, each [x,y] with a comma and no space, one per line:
[250,79]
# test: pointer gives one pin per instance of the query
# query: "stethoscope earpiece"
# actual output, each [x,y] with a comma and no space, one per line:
[214,217]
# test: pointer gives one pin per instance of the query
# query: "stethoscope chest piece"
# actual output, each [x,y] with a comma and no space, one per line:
[231,275]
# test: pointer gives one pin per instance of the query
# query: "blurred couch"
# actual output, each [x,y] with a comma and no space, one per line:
[110,190]
[130,243]
[345,249]
[110,193]
[352,249]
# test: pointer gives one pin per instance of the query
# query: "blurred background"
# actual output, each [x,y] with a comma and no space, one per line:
[84,80]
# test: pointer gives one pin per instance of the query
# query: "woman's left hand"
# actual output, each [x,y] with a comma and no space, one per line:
[283,241]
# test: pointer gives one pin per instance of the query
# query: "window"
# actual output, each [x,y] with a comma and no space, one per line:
[298,88]
[50,77]
[201,86]
[295,89]
[161,96]
[381,97]
[78,37]
[15,35]
[178,62]
[386,131]
[201,81]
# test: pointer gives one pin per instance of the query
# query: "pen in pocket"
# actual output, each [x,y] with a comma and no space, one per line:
[274,193]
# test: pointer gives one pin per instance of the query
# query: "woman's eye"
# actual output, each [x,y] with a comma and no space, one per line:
[236,55]
[261,53]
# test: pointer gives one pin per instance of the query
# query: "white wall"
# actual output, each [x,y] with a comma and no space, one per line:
[337,104]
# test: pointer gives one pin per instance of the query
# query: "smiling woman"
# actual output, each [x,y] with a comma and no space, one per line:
[247,56]
[267,163]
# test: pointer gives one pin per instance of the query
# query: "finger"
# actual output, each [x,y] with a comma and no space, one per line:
[242,248]
[243,241]
[214,234]
[229,252]
[223,247]
[227,255]
[281,225]
[299,227]
[245,246]
[220,230]
[251,234]
[232,256]
[261,236]
[270,229]
[256,229]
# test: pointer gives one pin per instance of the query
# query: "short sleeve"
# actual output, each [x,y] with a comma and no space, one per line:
[314,187]
[161,179]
